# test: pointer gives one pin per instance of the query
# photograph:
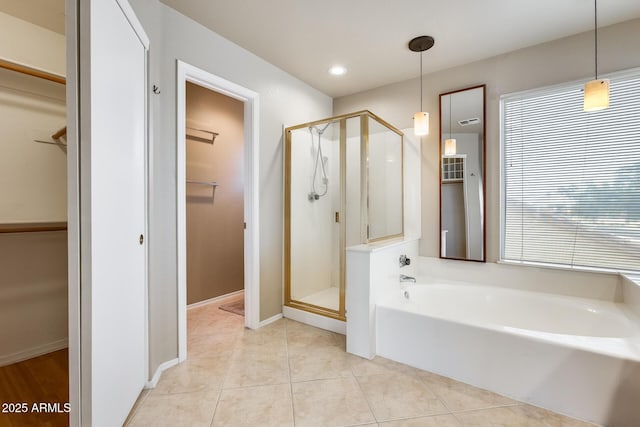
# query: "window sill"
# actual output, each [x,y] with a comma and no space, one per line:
[581,269]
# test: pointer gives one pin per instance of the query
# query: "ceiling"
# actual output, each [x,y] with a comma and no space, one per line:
[467,104]
[45,13]
[369,37]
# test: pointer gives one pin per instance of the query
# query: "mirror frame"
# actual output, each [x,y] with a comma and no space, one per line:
[484,172]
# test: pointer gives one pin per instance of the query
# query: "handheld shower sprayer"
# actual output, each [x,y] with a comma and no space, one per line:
[321,160]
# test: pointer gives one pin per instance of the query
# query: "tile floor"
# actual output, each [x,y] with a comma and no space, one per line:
[291,374]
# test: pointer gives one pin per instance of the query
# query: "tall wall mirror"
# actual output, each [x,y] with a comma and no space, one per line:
[462,174]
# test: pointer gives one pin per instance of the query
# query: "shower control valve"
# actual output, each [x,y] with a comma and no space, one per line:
[404,260]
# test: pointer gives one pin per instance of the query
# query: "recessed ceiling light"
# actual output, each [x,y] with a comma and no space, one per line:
[337,70]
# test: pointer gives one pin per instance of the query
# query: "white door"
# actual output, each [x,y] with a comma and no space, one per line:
[113,123]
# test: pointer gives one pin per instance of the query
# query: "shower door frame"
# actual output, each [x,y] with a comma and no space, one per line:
[364,115]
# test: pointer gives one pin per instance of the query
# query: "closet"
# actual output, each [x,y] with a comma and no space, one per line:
[214,196]
[33,223]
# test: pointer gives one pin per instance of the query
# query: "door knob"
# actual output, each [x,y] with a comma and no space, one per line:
[141,239]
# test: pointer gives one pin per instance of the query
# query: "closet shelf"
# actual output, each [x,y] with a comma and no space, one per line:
[192,133]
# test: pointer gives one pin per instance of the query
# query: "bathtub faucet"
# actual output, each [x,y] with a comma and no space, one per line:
[404,278]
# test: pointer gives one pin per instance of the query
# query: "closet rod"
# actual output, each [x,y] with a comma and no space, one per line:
[31,71]
[32,227]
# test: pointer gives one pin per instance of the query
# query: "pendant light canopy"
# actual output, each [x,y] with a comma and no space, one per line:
[421,118]
[596,92]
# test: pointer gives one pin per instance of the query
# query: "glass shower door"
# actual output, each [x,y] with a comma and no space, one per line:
[315,210]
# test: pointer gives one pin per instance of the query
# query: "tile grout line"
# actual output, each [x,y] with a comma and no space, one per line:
[453,413]
[440,399]
[366,399]
[512,405]
[457,419]
[286,346]
[132,415]
[224,378]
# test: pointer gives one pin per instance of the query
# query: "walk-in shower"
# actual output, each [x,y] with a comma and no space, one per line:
[343,187]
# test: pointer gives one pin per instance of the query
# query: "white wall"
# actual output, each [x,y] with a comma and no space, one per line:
[546,64]
[283,100]
[28,44]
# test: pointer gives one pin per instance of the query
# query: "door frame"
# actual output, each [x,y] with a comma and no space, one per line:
[250,99]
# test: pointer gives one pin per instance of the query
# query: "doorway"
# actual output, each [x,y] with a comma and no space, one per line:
[201,193]
[214,198]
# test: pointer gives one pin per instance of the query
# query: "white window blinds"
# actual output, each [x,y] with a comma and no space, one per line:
[571,180]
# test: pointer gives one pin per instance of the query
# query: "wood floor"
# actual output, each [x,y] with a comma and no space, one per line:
[43,379]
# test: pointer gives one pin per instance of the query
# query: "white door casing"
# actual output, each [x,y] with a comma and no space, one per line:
[113,262]
[187,72]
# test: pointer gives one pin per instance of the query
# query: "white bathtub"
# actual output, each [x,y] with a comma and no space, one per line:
[577,356]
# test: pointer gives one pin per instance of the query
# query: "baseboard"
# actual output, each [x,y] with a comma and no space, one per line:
[270,320]
[33,352]
[156,376]
[322,322]
[214,300]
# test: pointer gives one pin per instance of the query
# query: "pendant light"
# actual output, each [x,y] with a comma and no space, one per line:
[596,92]
[450,144]
[421,118]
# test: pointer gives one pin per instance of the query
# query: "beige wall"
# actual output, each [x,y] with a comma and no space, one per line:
[33,188]
[33,294]
[284,100]
[33,180]
[215,231]
[25,43]
[559,61]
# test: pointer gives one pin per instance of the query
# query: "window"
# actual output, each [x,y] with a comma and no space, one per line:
[570,179]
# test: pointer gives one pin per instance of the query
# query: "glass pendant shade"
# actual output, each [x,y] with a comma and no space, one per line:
[421,123]
[450,147]
[596,95]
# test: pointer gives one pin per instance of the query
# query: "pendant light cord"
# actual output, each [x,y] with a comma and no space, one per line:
[450,102]
[595,15]
[421,81]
